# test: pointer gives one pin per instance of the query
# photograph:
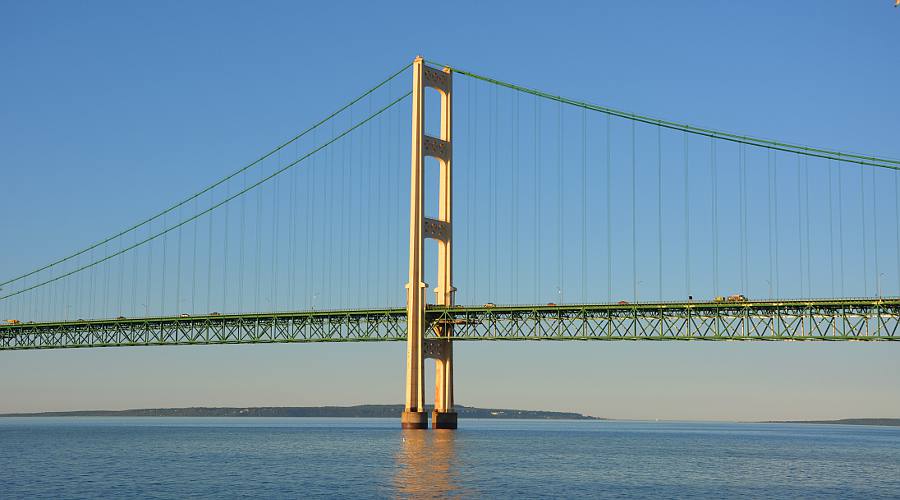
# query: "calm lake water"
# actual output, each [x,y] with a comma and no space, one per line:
[307,457]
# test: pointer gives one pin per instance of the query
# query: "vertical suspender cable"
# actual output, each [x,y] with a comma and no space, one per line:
[743,228]
[687,219]
[831,225]
[275,220]
[470,185]
[492,187]
[106,301]
[495,151]
[634,280]
[224,251]
[514,214]
[608,209]
[875,232]
[292,234]
[379,264]
[150,267]
[194,264]
[584,269]
[368,163]
[800,226]
[258,224]
[897,223]
[840,211]
[358,169]
[862,212]
[134,275]
[806,215]
[775,200]
[178,267]
[537,190]
[343,199]
[353,221]
[659,239]
[714,185]
[559,200]
[770,217]
[91,294]
[242,242]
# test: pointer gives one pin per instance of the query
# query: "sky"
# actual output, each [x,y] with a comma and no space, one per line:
[110,112]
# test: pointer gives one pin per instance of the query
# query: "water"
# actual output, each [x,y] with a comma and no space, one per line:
[307,457]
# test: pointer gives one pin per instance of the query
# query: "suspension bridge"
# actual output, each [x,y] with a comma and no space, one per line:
[609,225]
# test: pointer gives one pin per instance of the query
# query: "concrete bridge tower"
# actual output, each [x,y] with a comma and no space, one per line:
[440,229]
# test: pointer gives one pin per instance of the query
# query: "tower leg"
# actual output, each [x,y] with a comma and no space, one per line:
[443,416]
[440,229]
[414,415]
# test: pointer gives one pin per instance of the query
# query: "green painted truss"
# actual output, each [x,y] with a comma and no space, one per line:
[821,319]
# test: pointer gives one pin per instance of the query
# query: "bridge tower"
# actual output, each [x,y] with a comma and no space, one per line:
[420,227]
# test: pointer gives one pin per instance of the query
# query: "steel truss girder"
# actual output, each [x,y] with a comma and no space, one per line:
[857,319]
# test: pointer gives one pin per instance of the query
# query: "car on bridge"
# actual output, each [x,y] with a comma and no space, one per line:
[737,297]
[12,322]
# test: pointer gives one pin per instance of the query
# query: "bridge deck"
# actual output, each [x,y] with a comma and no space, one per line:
[786,320]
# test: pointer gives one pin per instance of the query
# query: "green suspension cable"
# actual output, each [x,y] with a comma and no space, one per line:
[213,206]
[215,184]
[868,160]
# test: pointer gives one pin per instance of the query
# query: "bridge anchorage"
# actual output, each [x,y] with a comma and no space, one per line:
[439,348]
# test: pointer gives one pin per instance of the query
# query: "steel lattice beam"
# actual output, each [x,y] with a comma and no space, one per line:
[839,320]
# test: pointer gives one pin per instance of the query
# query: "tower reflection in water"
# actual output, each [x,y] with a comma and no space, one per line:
[427,464]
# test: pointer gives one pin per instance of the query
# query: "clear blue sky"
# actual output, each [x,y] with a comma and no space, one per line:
[111,112]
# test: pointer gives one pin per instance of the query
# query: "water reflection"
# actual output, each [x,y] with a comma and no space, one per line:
[427,464]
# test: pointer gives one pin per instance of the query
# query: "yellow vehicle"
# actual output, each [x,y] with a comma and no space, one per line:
[736,297]
[12,322]
[490,305]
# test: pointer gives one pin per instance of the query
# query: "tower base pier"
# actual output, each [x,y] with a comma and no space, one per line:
[416,420]
[443,419]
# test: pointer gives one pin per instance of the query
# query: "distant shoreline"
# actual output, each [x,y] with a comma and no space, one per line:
[388,411]
[358,411]
[892,422]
